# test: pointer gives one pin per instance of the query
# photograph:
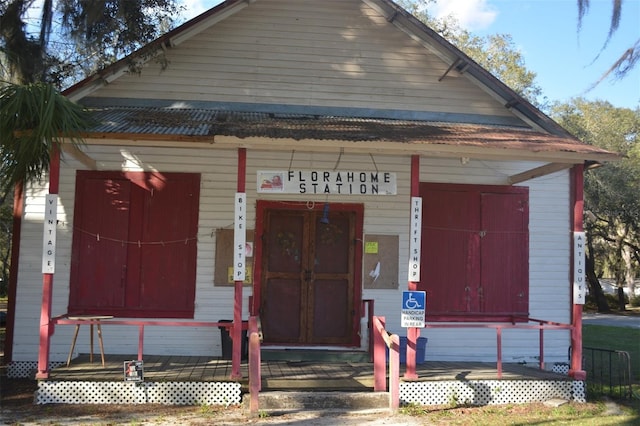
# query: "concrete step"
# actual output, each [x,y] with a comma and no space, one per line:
[312,355]
[352,401]
[358,384]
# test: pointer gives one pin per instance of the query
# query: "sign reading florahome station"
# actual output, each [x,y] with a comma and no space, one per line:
[326,182]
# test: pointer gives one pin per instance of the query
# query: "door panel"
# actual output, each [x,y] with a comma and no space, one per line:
[283,323]
[283,294]
[332,286]
[307,283]
[330,311]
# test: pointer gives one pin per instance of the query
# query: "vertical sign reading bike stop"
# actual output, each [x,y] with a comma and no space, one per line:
[414,305]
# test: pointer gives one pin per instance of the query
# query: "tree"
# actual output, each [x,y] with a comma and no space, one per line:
[496,53]
[34,121]
[629,58]
[87,35]
[612,192]
[34,116]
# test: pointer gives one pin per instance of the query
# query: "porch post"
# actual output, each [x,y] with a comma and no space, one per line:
[46,328]
[12,290]
[577,198]
[412,332]
[236,333]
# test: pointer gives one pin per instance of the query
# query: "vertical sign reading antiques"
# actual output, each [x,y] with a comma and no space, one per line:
[579,287]
[49,237]
[239,237]
[415,237]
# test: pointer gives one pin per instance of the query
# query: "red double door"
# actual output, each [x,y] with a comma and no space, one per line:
[308,284]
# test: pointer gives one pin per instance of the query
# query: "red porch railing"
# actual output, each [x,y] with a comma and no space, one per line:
[141,324]
[255,374]
[368,306]
[541,326]
[382,340]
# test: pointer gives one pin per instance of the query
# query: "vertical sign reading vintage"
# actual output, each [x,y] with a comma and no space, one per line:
[239,237]
[579,287]
[49,237]
[415,238]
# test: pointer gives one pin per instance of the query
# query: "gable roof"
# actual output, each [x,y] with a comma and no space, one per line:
[547,137]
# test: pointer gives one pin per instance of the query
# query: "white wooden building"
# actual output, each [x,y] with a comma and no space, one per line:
[146,213]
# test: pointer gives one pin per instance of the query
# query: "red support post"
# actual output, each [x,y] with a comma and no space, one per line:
[541,340]
[379,356]
[394,374]
[413,333]
[255,380]
[236,330]
[577,198]
[499,345]
[18,210]
[46,327]
[140,341]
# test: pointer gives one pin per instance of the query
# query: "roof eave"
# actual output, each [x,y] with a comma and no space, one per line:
[357,147]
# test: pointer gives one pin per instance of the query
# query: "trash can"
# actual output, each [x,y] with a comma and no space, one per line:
[421,350]
[227,342]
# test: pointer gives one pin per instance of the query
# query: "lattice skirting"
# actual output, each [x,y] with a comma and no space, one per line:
[27,369]
[167,393]
[487,392]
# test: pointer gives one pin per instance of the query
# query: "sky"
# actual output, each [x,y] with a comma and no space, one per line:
[567,62]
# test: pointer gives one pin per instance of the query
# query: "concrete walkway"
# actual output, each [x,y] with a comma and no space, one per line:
[630,321]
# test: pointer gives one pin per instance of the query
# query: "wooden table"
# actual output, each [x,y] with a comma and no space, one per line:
[91,320]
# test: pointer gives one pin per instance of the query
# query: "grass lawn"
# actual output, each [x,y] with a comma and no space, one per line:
[615,338]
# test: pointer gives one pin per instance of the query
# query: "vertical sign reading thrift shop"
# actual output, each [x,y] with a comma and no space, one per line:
[415,237]
[579,287]
[239,237]
[49,237]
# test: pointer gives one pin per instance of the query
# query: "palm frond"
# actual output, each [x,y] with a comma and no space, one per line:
[34,120]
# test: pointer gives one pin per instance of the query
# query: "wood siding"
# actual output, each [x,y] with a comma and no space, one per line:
[331,53]
[383,215]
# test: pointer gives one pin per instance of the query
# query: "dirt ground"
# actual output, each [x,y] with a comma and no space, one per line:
[16,398]
[17,408]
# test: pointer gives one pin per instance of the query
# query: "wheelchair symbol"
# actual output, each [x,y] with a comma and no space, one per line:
[412,303]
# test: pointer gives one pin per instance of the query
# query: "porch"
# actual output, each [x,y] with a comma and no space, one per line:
[203,380]
[281,375]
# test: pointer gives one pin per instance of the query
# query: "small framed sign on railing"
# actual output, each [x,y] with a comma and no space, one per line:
[133,371]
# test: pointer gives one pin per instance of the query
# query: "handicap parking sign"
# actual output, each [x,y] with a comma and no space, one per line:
[413,309]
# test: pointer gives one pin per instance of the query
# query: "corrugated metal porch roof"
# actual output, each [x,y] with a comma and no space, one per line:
[201,124]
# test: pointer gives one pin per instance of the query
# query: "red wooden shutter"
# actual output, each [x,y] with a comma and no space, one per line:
[449,250]
[98,263]
[504,257]
[168,264]
[135,244]
[475,252]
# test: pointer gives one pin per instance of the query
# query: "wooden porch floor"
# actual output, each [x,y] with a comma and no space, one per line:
[285,374]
